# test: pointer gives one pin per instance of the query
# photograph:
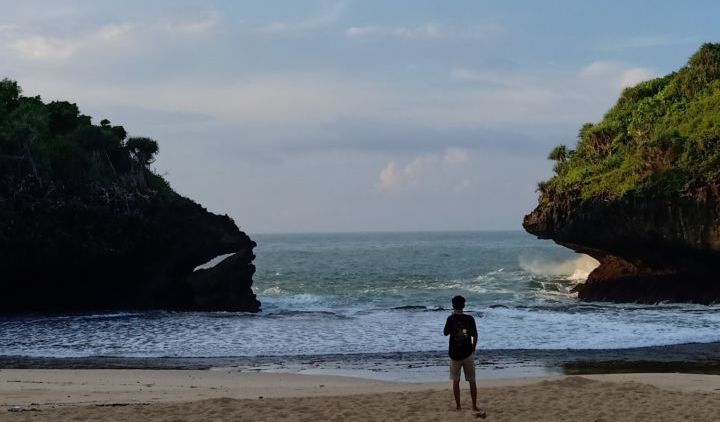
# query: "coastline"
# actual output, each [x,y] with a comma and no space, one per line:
[700,358]
[195,395]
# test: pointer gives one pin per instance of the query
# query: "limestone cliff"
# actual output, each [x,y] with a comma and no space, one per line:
[105,249]
[649,249]
[86,225]
[641,191]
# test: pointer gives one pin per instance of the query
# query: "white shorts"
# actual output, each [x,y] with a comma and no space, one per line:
[467,365]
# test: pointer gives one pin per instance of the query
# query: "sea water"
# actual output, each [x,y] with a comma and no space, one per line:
[379,293]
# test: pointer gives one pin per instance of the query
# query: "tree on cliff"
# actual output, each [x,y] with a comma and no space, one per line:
[661,137]
[55,142]
[143,149]
[559,153]
[9,94]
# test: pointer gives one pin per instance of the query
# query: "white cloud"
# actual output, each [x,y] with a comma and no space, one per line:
[324,18]
[636,75]
[467,74]
[614,74]
[646,41]
[599,68]
[305,100]
[191,26]
[260,100]
[427,172]
[274,28]
[43,48]
[36,47]
[456,156]
[494,97]
[506,79]
[427,31]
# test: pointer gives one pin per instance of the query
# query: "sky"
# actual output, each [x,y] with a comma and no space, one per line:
[350,115]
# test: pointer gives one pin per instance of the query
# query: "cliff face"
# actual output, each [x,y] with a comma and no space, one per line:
[650,249]
[640,192]
[86,224]
[116,248]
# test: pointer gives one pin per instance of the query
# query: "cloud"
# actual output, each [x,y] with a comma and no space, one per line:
[495,98]
[422,32]
[197,26]
[150,117]
[275,28]
[431,172]
[456,156]
[615,74]
[634,76]
[505,79]
[324,18]
[467,74]
[127,35]
[647,41]
[43,48]
[427,31]
[260,100]
[350,113]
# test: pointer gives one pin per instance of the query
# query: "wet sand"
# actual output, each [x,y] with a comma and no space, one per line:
[207,395]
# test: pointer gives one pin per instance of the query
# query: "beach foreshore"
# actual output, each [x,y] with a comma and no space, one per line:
[227,394]
[422,366]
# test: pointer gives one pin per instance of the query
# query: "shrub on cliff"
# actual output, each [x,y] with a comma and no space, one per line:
[55,142]
[662,136]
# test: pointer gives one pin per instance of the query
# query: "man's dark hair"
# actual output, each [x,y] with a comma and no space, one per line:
[458,302]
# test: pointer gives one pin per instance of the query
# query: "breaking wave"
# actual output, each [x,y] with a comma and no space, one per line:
[576,269]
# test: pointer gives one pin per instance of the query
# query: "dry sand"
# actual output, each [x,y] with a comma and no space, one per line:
[226,395]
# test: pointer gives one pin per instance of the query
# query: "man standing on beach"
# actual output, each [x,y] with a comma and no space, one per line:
[463,340]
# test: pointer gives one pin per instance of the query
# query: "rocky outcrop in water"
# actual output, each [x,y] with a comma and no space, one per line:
[86,224]
[640,192]
[649,249]
[116,248]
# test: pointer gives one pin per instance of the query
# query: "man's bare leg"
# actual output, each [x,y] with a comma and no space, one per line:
[456,392]
[473,395]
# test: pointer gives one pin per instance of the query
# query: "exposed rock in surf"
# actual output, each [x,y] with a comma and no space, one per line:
[410,308]
[650,249]
[227,285]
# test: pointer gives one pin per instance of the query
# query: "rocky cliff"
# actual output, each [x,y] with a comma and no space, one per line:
[641,191]
[85,225]
[105,249]
[649,249]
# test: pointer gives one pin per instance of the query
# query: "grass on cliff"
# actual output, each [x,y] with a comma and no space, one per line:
[55,142]
[661,137]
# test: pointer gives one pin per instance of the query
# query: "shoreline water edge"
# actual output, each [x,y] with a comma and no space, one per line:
[699,358]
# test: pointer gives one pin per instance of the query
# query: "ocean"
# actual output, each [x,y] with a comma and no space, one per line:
[329,297]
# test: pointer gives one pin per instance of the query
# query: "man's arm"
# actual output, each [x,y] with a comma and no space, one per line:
[446,330]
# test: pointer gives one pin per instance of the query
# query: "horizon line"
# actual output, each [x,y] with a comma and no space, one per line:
[400,231]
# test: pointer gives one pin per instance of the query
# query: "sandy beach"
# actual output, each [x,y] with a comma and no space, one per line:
[220,395]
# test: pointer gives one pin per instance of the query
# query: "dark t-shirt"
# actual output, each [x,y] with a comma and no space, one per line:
[460,328]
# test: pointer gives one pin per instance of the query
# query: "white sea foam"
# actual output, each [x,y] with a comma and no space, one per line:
[275,291]
[336,294]
[576,269]
[580,326]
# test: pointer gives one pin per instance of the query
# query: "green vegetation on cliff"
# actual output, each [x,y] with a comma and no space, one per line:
[54,142]
[662,137]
